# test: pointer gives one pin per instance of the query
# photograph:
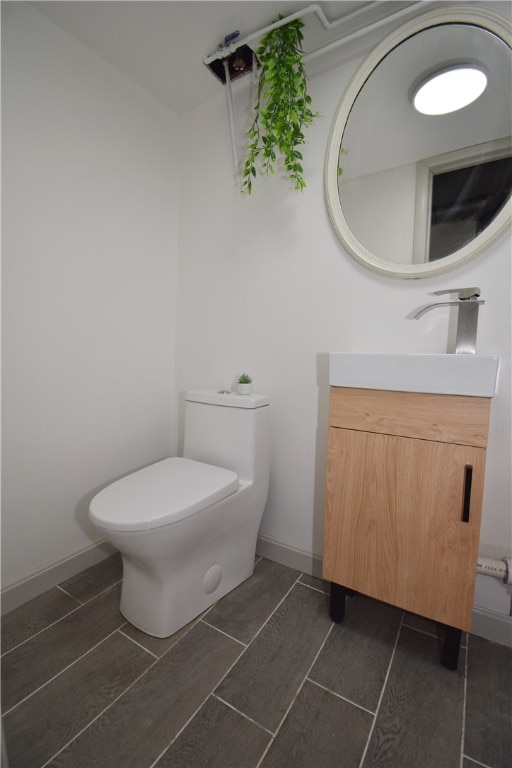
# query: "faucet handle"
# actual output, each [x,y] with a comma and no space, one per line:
[462,293]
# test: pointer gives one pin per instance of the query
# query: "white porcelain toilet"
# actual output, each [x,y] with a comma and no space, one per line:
[186,527]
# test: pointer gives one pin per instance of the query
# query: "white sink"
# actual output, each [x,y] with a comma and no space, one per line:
[473,375]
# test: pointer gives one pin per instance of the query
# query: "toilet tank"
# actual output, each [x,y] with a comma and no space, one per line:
[228,430]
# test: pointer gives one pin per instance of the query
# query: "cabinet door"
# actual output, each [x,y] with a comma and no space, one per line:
[394,525]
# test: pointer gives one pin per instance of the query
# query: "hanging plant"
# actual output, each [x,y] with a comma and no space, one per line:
[283,107]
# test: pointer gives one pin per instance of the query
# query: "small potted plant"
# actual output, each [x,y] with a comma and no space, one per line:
[244,382]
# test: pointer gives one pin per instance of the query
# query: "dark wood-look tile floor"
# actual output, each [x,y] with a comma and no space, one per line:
[263,679]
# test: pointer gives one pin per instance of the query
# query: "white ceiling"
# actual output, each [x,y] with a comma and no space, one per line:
[161,45]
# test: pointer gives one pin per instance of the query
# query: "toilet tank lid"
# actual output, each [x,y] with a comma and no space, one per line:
[226,397]
[160,494]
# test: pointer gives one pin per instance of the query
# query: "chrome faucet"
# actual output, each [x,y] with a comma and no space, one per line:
[467,321]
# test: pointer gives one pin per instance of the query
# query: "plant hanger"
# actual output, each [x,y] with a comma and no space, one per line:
[233,57]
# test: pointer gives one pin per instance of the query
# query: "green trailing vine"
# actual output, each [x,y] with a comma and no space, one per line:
[283,108]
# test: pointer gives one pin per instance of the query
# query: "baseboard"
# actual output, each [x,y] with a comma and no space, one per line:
[24,590]
[293,558]
[492,626]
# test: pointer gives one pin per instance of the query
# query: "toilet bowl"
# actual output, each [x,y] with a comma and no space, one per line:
[186,527]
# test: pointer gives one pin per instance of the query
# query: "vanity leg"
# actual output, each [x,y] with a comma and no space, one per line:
[337,602]
[451,648]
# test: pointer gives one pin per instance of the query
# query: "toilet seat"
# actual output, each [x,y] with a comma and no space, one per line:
[160,494]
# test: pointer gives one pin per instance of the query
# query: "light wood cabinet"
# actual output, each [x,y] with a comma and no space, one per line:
[405,475]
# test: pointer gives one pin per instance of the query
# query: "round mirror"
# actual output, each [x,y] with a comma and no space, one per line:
[411,194]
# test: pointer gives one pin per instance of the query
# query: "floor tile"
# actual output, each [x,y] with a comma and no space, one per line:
[359,648]
[421,624]
[23,622]
[46,721]
[156,645]
[96,579]
[488,733]
[139,726]
[320,730]
[312,581]
[430,627]
[265,680]
[217,737]
[66,678]
[244,610]
[419,723]
[30,665]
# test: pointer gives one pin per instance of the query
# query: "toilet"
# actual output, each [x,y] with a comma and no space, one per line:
[186,527]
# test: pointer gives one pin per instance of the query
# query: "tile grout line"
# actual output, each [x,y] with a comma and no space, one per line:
[40,631]
[61,618]
[477,762]
[150,666]
[203,702]
[239,712]
[106,589]
[178,734]
[246,645]
[299,689]
[192,625]
[132,640]
[377,710]
[275,609]
[105,709]
[315,589]
[339,696]
[61,671]
[58,586]
[157,659]
[212,693]
[428,634]
[212,626]
[421,631]
[230,668]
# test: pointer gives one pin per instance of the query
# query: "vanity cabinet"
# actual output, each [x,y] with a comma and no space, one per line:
[405,473]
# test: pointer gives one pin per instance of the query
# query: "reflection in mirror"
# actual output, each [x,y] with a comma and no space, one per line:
[463,203]
[419,193]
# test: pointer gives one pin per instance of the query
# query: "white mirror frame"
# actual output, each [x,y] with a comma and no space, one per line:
[479,17]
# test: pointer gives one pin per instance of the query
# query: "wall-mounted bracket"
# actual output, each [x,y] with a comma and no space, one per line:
[240,62]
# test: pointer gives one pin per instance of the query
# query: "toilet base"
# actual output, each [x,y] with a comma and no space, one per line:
[174,604]
[174,573]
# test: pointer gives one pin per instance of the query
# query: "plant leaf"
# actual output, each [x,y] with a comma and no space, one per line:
[282,108]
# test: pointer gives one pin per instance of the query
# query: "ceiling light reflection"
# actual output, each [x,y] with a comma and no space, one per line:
[450,90]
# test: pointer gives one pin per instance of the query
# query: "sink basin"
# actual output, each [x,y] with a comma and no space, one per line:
[473,375]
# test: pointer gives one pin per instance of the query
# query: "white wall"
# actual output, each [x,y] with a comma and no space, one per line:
[264,286]
[90,224]
[388,197]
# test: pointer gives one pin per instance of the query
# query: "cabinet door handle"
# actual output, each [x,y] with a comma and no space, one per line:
[468,478]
